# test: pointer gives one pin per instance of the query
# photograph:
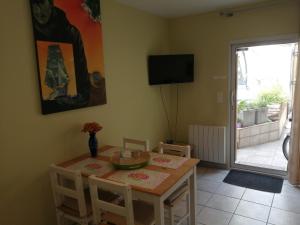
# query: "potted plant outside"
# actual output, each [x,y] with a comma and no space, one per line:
[261,111]
[239,123]
[265,99]
[246,113]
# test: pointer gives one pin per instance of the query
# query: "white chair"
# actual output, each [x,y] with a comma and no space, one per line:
[71,201]
[176,198]
[142,143]
[128,212]
[171,149]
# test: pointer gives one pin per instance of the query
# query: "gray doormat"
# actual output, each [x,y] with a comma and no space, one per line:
[254,181]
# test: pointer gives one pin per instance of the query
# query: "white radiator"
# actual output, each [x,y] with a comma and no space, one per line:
[208,143]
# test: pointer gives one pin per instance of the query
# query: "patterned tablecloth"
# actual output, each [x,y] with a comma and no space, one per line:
[92,166]
[142,177]
[167,161]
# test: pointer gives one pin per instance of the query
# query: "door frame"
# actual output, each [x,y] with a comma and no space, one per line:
[232,88]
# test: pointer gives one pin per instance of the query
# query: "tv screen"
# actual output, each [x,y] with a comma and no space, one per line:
[167,69]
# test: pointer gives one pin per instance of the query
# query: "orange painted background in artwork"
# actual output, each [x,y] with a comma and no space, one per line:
[91,32]
[67,52]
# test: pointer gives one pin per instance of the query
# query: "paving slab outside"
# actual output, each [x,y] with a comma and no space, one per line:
[268,155]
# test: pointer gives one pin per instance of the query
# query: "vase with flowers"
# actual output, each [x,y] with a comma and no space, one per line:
[92,128]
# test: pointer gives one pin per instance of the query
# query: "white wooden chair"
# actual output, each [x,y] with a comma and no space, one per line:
[176,198]
[171,149]
[128,212]
[71,201]
[142,143]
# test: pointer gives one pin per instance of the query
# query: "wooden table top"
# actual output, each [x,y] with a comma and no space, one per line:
[165,185]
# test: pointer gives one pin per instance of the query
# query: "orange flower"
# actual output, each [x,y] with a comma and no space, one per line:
[91,127]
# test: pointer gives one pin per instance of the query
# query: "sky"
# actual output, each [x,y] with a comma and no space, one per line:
[267,66]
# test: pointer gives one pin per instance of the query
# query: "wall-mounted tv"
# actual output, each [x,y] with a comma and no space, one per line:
[167,69]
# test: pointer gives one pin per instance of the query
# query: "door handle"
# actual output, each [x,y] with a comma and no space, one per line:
[232,100]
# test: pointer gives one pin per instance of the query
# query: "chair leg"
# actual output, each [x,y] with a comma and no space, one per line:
[59,218]
[84,222]
[171,214]
[188,211]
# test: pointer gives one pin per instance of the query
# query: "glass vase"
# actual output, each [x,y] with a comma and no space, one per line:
[93,145]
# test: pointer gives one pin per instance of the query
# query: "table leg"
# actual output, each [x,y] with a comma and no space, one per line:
[193,197]
[158,211]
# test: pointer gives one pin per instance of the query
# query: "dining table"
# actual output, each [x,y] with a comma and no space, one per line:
[153,183]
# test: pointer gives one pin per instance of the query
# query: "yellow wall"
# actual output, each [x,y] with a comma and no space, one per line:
[208,36]
[29,141]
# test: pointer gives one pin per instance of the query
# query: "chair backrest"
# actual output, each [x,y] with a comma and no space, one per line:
[67,184]
[100,206]
[171,149]
[143,143]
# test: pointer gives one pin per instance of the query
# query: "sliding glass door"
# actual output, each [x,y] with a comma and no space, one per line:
[261,87]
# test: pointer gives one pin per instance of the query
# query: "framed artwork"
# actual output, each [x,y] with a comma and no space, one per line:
[69,49]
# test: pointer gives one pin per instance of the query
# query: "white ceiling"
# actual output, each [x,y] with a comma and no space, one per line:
[177,8]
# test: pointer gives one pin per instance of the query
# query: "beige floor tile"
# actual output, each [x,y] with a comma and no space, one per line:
[287,202]
[290,190]
[207,185]
[203,197]
[240,220]
[281,217]
[260,197]
[231,190]
[253,210]
[223,203]
[210,216]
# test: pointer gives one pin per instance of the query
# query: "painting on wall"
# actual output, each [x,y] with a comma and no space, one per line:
[69,49]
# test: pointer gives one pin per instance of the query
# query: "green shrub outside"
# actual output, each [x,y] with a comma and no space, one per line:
[275,95]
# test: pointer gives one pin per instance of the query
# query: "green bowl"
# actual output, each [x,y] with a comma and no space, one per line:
[130,167]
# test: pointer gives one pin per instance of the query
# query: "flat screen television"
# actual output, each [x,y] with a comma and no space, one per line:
[167,69]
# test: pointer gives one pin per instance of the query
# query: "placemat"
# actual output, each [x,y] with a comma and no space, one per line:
[110,152]
[142,177]
[92,166]
[168,161]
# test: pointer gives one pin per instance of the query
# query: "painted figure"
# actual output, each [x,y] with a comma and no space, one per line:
[51,24]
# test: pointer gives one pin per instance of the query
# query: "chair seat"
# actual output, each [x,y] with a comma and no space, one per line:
[109,196]
[143,215]
[70,205]
[178,194]
[173,201]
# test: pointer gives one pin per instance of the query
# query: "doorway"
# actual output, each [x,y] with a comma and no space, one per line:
[262,83]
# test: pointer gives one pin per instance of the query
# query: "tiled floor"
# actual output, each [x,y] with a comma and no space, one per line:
[223,204]
[268,155]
